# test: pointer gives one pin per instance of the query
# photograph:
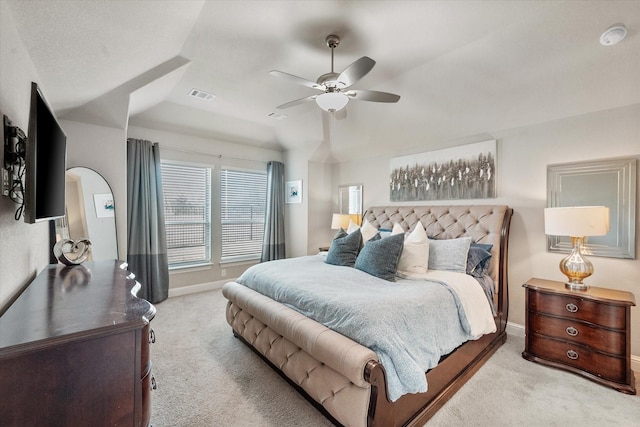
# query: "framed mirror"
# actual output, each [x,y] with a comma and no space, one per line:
[350,199]
[90,213]
[609,182]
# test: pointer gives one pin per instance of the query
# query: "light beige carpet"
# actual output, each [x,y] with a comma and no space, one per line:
[206,377]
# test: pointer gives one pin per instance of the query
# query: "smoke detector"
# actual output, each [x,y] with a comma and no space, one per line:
[613,35]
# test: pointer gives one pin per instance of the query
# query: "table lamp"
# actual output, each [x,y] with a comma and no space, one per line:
[340,221]
[576,222]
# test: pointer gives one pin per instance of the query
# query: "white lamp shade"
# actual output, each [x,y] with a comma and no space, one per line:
[576,221]
[332,101]
[340,221]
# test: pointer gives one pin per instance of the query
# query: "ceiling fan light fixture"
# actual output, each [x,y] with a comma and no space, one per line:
[332,101]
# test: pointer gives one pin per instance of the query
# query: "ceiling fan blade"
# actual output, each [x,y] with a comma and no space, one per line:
[372,95]
[356,71]
[296,102]
[296,79]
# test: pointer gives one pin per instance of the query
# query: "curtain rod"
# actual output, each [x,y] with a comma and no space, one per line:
[219,156]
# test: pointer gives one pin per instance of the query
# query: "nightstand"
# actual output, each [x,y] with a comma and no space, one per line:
[323,248]
[584,332]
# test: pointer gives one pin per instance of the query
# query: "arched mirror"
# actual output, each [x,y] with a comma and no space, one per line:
[90,213]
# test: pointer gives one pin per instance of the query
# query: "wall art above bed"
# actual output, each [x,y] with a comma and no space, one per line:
[464,172]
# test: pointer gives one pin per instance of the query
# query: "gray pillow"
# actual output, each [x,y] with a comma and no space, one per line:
[380,257]
[344,248]
[449,254]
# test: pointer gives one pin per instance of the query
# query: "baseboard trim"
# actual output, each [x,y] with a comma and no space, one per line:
[515,329]
[200,287]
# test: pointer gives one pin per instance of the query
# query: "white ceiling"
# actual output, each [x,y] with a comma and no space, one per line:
[462,68]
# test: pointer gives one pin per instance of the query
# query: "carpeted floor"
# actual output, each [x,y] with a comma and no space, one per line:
[206,377]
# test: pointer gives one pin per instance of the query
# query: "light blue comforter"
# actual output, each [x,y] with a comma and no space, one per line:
[408,324]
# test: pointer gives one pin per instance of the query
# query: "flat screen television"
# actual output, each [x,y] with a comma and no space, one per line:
[45,163]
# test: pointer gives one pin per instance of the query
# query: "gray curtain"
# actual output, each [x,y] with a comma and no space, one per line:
[273,244]
[146,239]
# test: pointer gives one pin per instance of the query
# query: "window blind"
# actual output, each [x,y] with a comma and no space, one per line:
[187,209]
[242,212]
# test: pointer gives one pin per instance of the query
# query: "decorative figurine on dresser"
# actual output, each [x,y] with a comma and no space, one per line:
[582,331]
[74,349]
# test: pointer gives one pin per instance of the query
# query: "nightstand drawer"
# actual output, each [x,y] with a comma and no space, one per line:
[610,316]
[612,342]
[574,355]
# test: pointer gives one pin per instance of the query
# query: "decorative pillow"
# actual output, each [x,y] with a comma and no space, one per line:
[352,227]
[344,248]
[380,257]
[397,229]
[384,232]
[368,231]
[478,259]
[449,254]
[415,254]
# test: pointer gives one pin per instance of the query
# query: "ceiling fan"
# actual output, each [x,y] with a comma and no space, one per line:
[335,86]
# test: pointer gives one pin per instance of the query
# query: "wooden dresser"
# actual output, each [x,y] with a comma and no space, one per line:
[585,332]
[74,350]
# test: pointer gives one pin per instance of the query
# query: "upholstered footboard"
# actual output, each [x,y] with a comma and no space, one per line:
[333,376]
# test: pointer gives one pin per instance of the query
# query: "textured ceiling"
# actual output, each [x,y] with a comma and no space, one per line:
[462,68]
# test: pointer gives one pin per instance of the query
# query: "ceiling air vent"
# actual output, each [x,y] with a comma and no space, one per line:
[277,116]
[200,94]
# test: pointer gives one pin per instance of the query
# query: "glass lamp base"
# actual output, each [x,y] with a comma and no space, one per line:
[575,266]
[576,286]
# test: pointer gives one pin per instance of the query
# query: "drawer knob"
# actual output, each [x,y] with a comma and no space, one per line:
[572,331]
[572,308]
[152,336]
[153,382]
[573,355]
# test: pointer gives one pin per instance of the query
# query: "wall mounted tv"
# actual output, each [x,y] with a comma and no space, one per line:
[45,163]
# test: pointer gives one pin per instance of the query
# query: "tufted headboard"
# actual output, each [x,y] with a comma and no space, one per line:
[487,224]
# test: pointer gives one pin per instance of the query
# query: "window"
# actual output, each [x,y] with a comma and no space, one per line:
[242,211]
[187,213]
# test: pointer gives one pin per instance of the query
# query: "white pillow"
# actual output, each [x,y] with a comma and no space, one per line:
[367,230]
[352,227]
[397,229]
[415,254]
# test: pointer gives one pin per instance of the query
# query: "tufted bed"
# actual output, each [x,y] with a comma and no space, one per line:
[344,379]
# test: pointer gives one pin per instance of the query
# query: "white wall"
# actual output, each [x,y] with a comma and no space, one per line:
[523,155]
[24,248]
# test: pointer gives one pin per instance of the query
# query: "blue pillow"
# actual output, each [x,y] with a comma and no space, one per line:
[344,248]
[380,257]
[478,259]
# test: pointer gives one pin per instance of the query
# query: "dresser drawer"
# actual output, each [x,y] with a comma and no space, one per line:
[610,316]
[147,338]
[607,341]
[579,357]
[148,384]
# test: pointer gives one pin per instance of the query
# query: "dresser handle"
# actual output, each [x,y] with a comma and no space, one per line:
[573,355]
[152,336]
[153,382]
[572,308]
[572,331]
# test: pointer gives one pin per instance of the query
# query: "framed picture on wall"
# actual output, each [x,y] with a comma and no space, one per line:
[105,207]
[294,191]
